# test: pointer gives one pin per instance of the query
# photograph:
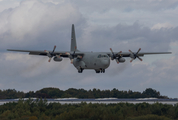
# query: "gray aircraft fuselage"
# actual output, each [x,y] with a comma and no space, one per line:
[97,61]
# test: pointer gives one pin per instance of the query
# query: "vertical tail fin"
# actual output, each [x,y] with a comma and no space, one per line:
[73,40]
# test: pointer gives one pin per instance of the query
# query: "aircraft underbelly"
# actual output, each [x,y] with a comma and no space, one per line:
[96,64]
[91,61]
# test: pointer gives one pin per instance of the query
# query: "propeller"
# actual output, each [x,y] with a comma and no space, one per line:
[71,56]
[116,56]
[50,54]
[113,55]
[135,55]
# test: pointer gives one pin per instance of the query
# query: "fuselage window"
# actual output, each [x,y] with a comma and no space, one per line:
[102,56]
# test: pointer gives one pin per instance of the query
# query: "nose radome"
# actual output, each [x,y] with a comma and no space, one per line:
[106,62]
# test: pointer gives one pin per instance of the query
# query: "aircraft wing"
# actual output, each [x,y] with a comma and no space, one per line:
[63,53]
[133,55]
[43,53]
[141,54]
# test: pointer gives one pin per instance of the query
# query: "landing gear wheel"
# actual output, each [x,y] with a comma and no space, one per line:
[80,70]
[97,71]
[102,70]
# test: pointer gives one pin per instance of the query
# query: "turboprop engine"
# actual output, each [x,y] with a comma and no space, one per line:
[135,55]
[118,57]
[121,60]
[57,59]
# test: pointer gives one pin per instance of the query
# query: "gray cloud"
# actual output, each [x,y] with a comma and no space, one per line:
[125,37]
[37,23]
[149,12]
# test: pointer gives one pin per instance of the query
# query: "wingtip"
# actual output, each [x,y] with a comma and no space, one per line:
[10,50]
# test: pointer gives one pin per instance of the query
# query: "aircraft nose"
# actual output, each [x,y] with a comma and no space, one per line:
[106,63]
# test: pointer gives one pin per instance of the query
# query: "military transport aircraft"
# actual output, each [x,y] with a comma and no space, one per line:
[97,61]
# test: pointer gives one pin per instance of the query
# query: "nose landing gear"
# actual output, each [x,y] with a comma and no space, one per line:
[80,70]
[100,71]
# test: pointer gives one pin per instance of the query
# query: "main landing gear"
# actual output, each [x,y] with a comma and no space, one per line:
[100,71]
[80,70]
[97,71]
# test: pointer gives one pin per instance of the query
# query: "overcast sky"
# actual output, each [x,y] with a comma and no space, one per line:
[118,24]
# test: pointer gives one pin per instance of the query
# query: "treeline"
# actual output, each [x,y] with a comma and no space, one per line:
[79,93]
[41,110]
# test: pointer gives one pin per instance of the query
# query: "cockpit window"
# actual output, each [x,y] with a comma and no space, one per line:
[105,56]
[99,56]
[102,56]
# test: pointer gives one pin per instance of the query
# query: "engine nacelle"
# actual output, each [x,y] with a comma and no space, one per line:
[122,60]
[132,56]
[57,59]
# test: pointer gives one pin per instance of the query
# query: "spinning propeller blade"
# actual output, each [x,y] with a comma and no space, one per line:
[71,56]
[116,56]
[50,55]
[135,55]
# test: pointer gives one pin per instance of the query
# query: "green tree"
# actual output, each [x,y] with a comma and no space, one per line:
[149,92]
